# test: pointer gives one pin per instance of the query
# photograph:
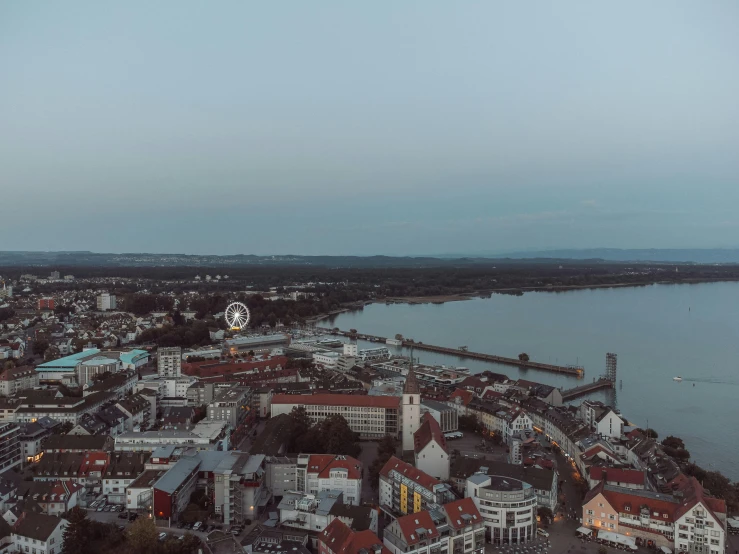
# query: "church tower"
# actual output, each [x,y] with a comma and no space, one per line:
[411,408]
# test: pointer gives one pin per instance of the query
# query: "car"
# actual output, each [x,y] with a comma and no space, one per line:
[181,538]
[162,536]
[100,508]
[197,526]
[133,517]
[542,532]
[122,516]
[108,508]
[119,508]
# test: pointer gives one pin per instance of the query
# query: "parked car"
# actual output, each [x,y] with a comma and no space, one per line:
[100,508]
[133,517]
[197,526]
[123,516]
[542,532]
[162,536]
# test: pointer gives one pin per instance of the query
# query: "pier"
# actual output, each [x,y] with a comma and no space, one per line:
[582,390]
[463,352]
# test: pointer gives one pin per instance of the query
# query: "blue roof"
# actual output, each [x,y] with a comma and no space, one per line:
[133,356]
[68,362]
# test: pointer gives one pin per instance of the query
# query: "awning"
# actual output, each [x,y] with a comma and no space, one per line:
[584,531]
[617,538]
[665,550]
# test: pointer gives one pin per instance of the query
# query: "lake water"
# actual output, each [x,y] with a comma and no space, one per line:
[658,332]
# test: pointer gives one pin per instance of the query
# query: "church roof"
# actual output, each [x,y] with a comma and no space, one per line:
[411,383]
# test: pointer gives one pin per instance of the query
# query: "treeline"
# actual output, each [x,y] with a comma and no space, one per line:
[186,335]
[331,436]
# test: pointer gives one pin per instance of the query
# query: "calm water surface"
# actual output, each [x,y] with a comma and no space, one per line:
[658,332]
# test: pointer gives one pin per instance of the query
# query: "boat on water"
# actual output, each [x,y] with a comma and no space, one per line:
[677,378]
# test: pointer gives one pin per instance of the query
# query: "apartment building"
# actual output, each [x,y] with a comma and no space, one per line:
[16,379]
[169,362]
[405,489]
[316,473]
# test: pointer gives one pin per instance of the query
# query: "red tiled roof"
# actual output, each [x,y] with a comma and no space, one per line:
[465,395]
[338,537]
[412,473]
[617,475]
[455,510]
[322,464]
[428,431]
[364,401]
[490,394]
[410,524]
[622,502]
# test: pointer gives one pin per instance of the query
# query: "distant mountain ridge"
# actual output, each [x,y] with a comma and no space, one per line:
[595,255]
[685,255]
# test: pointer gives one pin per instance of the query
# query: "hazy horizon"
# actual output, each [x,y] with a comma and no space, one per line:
[416,128]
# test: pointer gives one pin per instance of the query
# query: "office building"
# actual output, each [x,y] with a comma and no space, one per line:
[169,362]
[106,302]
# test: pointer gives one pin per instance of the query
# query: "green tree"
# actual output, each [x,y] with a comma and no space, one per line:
[385,450]
[142,536]
[77,533]
[523,357]
[470,423]
[40,346]
[651,433]
[338,438]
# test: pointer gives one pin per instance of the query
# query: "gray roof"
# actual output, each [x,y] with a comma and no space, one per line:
[540,479]
[177,475]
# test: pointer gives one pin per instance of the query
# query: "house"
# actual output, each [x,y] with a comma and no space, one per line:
[329,472]
[338,538]
[42,532]
[430,449]
[49,497]
[460,399]
[78,443]
[688,521]
[15,379]
[620,477]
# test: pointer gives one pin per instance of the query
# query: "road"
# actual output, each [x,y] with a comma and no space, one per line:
[572,506]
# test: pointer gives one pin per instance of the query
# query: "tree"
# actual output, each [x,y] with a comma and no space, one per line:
[77,533]
[651,433]
[470,423]
[523,357]
[385,450]
[338,438]
[673,442]
[398,337]
[63,428]
[602,550]
[545,514]
[40,346]
[142,536]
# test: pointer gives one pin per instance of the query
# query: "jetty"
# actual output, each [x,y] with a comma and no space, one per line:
[582,390]
[464,352]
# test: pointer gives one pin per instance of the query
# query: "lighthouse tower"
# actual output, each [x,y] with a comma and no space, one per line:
[411,408]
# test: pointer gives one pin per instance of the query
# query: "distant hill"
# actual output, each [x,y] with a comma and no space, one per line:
[592,256]
[686,255]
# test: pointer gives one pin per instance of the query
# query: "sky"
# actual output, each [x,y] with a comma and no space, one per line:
[383,127]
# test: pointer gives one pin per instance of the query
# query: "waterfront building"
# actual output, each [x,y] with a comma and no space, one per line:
[372,417]
[507,506]
[689,522]
[373,354]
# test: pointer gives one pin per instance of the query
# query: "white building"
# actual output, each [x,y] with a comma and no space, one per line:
[411,410]
[105,302]
[405,489]
[350,349]
[39,532]
[507,506]
[169,362]
[372,417]
[316,473]
[326,359]
[430,449]
[202,437]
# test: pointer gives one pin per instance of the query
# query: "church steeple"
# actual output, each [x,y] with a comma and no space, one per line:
[411,383]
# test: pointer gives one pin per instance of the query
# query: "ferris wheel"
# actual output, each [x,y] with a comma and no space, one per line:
[237,316]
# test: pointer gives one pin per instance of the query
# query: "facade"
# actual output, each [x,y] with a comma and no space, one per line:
[231,405]
[138,412]
[171,493]
[405,489]
[63,409]
[139,493]
[411,410]
[455,527]
[169,363]
[690,523]
[544,481]
[46,303]
[64,370]
[105,302]
[43,533]
[31,438]
[445,415]
[238,487]
[18,378]
[148,441]
[372,417]
[507,506]
[315,473]
[430,450]
[10,446]
[87,369]
[328,360]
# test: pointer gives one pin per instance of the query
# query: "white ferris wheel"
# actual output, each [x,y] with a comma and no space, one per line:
[237,316]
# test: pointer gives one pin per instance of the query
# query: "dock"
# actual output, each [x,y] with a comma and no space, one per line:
[463,352]
[582,390]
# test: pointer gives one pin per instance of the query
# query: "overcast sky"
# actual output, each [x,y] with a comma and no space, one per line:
[368,127]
